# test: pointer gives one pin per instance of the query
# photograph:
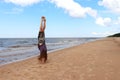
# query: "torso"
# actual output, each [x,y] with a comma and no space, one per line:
[41,38]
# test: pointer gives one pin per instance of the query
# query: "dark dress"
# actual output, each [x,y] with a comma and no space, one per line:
[42,45]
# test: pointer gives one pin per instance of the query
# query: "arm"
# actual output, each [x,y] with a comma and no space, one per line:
[40,25]
[44,24]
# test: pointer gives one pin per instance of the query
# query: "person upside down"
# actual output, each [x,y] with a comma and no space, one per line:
[41,41]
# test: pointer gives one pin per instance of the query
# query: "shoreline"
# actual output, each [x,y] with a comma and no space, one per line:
[48,52]
[97,60]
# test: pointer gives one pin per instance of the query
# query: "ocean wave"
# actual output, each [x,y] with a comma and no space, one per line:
[16,49]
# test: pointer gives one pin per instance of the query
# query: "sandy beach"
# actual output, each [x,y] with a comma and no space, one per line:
[97,60]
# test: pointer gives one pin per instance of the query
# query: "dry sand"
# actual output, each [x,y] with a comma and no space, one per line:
[98,60]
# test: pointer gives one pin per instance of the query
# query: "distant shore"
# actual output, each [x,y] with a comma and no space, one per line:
[97,60]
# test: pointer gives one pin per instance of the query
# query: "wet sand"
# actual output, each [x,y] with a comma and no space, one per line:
[98,60]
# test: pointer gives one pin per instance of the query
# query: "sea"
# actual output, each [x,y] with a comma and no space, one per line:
[17,49]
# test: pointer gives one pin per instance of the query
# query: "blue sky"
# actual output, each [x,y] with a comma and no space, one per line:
[65,18]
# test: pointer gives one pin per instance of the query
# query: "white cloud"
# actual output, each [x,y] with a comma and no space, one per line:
[14,11]
[113,5]
[74,9]
[103,21]
[23,2]
[107,33]
[91,12]
[117,22]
